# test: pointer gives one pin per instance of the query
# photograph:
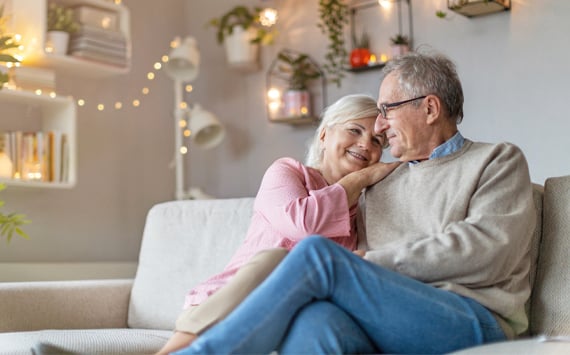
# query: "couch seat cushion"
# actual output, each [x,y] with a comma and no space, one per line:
[87,341]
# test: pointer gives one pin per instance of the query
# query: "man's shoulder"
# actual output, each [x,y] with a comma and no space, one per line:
[500,148]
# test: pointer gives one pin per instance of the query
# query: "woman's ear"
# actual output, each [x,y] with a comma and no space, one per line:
[322,135]
[433,109]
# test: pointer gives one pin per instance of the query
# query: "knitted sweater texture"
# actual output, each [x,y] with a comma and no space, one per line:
[462,222]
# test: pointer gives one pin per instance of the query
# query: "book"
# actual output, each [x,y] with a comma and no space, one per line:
[96,17]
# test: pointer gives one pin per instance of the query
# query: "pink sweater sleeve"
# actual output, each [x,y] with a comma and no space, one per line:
[297,201]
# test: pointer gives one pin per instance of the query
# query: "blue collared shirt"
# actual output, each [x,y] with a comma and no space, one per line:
[452,145]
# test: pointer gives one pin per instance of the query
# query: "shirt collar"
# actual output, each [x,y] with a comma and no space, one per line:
[452,145]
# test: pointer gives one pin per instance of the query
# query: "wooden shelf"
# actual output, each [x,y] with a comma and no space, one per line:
[376,66]
[303,120]
[29,19]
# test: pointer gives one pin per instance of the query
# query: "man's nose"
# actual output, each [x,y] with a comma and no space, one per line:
[381,125]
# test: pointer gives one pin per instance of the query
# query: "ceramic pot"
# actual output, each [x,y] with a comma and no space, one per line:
[399,49]
[240,52]
[57,42]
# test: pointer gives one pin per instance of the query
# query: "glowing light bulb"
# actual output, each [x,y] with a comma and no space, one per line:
[268,17]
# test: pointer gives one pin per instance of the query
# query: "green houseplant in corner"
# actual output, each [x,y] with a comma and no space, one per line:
[7,43]
[60,24]
[299,70]
[11,223]
[241,32]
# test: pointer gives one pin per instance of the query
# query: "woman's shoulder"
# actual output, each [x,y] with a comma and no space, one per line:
[292,165]
[288,162]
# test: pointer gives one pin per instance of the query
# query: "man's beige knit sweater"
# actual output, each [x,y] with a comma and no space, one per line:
[462,222]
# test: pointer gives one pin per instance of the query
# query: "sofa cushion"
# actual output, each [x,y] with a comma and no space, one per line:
[550,313]
[183,245]
[87,341]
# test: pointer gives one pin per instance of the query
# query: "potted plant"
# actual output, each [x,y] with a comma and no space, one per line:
[7,43]
[334,15]
[241,32]
[360,54]
[298,69]
[400,45]
[60,24]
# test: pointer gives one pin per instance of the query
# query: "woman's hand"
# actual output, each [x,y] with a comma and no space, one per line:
[354,182]
[360,252]
[377,172]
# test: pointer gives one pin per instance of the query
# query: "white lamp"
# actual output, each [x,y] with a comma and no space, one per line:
[206,131]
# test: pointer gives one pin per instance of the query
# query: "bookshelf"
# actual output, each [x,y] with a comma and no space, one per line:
[53,114]
[29,18]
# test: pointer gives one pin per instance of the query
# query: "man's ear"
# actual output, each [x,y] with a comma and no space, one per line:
[433,109]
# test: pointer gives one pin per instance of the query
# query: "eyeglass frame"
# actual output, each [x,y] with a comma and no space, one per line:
[383,109]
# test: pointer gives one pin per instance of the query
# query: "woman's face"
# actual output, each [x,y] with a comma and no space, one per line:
[349,147]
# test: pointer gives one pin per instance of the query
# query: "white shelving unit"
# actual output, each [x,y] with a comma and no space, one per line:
[56,113]
[29,18]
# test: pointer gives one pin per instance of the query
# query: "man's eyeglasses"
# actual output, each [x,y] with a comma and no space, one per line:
[384,107]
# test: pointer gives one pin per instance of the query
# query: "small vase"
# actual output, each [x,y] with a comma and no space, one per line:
[57,42]
[399,49]
[297,103]
[359,57]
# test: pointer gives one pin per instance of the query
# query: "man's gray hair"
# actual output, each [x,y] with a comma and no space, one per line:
[429,74]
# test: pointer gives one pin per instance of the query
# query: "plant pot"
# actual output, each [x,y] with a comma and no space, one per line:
[240,52]
[399,49]
[57,42]
[297,103]
[359,57]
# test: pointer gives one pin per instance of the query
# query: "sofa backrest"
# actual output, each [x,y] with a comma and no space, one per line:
[550,308]
[538,195]
[183,245]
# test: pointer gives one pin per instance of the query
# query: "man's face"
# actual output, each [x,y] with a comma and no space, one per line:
[405,125]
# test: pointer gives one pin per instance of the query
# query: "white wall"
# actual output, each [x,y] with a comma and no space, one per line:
[514,68]
[123,158]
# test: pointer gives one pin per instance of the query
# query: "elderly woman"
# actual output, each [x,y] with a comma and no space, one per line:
[294,201]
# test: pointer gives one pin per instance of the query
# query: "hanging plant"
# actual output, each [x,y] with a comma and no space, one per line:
[298,69]
[334,15]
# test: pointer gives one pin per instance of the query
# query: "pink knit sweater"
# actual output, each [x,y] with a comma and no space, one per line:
[293,201]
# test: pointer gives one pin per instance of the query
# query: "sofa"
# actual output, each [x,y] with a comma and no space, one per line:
[184,242]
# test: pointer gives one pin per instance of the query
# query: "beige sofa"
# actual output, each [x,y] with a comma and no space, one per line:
[186,241]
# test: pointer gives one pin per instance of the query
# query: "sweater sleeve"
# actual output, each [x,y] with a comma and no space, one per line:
[297,201]
[487,246]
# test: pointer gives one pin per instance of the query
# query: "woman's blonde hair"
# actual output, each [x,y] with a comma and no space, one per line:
[347,108]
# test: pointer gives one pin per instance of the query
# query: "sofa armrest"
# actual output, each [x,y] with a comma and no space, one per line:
[26,306]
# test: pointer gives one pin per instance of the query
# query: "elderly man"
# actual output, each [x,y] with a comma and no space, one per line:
[447,244]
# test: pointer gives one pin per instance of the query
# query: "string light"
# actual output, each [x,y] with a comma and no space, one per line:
[145,90]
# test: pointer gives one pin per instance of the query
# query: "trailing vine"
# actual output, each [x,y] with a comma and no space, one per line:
[334,15]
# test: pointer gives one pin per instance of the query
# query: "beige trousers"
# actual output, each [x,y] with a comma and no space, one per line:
[197,319]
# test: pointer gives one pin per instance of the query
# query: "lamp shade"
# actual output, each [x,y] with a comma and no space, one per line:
[207,131]
[183,60]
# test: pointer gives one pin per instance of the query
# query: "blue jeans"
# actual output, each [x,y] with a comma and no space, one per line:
[323,299]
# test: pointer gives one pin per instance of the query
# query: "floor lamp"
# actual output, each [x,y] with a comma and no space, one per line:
[205,130]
